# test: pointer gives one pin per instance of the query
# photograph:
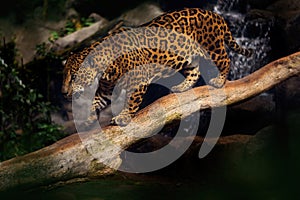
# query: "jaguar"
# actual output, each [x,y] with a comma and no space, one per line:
[134,57]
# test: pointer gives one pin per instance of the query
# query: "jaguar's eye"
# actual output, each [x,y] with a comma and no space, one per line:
[73,76]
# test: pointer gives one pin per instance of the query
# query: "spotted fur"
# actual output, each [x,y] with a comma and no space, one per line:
[172,42]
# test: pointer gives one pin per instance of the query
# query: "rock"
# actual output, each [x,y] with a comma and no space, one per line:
[282,6]
[292,88]
[250,116]
[96,17]
[141,14]
[72,14]
[287,26]
[259,14]
[261,103]
[291,32]
[28,35]
[259,4]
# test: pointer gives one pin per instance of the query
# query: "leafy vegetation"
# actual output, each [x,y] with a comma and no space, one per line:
[25,92]
[71,26]
[24,114]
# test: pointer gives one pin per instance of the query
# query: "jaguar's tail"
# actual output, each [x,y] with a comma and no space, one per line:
[233,45]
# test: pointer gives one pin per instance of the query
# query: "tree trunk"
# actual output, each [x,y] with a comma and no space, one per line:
[71,157]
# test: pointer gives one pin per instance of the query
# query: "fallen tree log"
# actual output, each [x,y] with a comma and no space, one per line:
[71,157]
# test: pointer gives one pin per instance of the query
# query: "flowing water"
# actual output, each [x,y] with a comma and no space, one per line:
[249,33]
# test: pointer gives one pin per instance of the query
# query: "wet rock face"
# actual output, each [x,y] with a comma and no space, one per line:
[259,4]
[282,6]
[286,38]
[293,30]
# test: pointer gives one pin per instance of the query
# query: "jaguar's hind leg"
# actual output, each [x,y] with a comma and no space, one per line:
[223,65]
[192,75]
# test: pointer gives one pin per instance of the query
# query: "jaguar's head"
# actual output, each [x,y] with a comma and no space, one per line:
[85,77]
[69,73]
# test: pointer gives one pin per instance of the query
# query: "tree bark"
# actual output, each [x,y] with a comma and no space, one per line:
[71,157]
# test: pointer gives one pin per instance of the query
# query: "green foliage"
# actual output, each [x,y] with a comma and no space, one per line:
[87,21]
[24,114]
[41,50]
[71,26]
[54,36]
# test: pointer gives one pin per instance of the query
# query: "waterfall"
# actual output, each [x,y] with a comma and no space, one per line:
[249,33]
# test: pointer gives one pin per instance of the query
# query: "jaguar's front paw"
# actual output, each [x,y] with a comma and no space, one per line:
[217,82]
[121,119]
[180,88]
[90,123]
